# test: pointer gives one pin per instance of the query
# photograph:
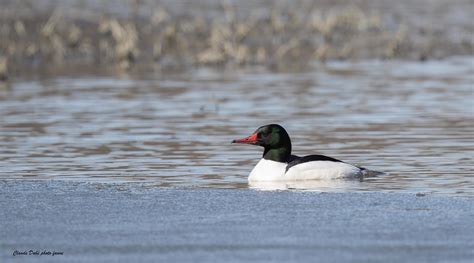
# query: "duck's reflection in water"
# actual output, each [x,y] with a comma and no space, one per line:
[335,185]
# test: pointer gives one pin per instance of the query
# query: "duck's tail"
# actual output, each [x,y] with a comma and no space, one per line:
[370,173]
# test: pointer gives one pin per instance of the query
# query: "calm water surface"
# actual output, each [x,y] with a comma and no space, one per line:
[414,121]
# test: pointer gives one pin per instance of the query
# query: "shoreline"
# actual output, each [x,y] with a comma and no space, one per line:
[282,36]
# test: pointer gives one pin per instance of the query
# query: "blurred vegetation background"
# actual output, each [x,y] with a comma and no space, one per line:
[128,34]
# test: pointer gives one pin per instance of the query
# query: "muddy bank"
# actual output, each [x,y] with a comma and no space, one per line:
[127,34]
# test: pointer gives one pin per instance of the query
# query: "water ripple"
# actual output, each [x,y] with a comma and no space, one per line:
[414,121]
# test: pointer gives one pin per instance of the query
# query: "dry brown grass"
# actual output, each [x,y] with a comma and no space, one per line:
[280,38]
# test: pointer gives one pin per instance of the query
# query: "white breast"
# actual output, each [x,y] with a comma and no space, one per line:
[267,170]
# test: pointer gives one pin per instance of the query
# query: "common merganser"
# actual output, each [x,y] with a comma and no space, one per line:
[278,164]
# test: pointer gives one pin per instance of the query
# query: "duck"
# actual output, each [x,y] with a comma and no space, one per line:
[278,164]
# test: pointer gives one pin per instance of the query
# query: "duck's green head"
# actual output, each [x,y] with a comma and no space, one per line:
[273,138]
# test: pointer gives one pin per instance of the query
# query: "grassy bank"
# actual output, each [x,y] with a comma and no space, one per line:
[128,34]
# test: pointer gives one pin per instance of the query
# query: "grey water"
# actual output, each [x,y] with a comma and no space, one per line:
[414,121]
[91,222]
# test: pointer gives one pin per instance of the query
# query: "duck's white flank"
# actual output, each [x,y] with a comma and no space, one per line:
[268,170]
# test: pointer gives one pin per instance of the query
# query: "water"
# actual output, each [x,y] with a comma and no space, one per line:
[130,223]
[412,120]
